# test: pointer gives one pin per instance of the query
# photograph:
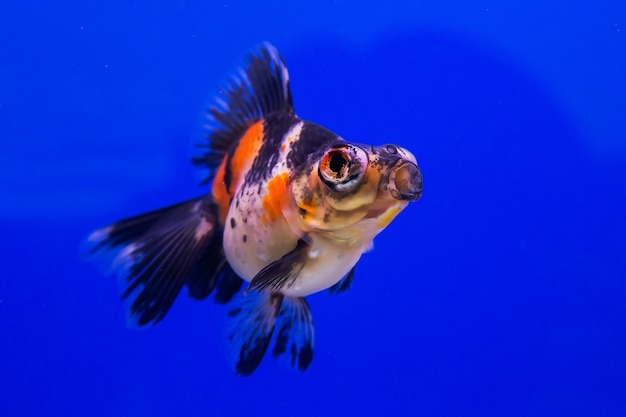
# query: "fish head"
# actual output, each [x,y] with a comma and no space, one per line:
[352,192]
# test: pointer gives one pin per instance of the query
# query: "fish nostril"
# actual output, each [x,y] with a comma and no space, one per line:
[405,182]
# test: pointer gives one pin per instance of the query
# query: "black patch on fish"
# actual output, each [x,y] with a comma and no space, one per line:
[160,251]
[232,223]
[246,99]
[388,156]
[314,140]
[281,273]
[275,127]
[294,333]
[228,172]
[245,238]
[252,328]
[344,283]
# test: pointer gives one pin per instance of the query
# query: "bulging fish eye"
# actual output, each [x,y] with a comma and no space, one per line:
[342,167]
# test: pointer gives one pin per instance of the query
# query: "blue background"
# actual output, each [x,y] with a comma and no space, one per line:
[502,292]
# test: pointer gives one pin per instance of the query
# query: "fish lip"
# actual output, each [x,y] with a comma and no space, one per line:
[405,181]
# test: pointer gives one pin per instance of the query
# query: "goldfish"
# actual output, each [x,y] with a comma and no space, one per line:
[290,209]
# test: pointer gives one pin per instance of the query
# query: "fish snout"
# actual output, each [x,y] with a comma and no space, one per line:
[405,181]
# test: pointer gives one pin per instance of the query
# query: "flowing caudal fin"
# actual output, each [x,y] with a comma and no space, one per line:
[157,253]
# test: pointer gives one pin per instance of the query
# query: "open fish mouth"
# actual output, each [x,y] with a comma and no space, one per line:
[405,181]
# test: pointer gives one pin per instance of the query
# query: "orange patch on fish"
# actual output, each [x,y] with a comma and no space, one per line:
[388,215]
[273,200]
[247,149]
[220,193]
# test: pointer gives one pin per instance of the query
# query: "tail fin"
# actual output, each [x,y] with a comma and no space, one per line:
[157,253]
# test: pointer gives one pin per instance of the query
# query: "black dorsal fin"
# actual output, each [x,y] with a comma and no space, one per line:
[259,88]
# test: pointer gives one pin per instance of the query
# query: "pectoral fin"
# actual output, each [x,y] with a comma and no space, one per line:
[344,283]
[283,272]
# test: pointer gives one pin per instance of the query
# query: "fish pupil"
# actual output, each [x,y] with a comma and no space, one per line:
[337,162]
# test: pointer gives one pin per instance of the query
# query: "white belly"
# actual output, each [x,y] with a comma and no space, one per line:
[325,263]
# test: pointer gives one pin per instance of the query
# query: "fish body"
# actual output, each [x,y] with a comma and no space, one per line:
[292,207]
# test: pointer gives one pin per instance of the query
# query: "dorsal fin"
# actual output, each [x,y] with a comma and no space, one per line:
[259,88]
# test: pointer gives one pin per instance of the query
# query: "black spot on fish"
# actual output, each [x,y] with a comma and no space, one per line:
[313,141]
[391,149]
[245,238]
[232,222]
[227,169]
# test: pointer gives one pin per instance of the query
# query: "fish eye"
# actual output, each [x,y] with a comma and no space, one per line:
[342,167]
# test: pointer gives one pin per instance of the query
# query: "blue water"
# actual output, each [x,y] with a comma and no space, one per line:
[502,292]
